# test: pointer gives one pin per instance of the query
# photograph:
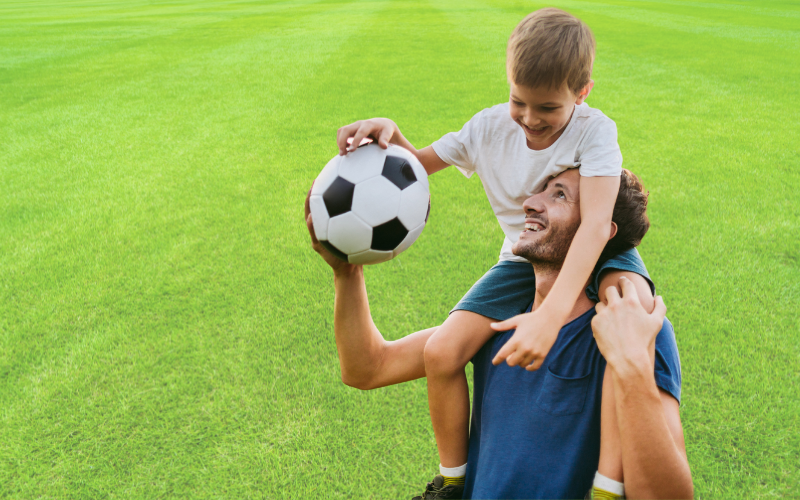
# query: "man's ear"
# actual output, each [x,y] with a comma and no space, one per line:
[613,230]
[585,92]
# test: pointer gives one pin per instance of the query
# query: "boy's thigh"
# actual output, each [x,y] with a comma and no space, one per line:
[507,289]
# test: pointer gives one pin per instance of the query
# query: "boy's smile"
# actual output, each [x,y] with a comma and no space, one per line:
[543,113]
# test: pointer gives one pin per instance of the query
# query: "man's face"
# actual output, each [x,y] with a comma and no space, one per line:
[552,218]
[543,113]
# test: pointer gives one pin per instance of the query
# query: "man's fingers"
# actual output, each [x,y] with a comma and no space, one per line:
[307,205]
[600,307]
[628,289]
[661,309]
[310,226]
[612,295]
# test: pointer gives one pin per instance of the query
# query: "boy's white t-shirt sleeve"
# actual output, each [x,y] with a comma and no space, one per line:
[599,153]
[459,148]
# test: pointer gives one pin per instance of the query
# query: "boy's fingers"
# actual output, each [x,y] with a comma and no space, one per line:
[535,365]
[384,138]
[506,325]
[360,134]
[345,133]
[503,353]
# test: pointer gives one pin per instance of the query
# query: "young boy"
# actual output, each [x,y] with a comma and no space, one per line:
[514,147]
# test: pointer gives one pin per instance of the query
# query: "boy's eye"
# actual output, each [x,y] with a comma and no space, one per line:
[548,109]
[518,103]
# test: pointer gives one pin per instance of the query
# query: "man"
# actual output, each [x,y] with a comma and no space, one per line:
[536,434]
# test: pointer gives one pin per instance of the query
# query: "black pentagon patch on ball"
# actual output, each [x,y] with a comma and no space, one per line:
[388,235]
[398,171]
[429,210]
[335,251]
[339,197]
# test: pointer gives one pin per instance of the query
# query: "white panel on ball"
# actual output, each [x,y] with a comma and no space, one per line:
[369,257]
[326,177]
[363,163]
[319,216]
[410,238]
[376,201]
[413,205]
[419,170]
[349,234]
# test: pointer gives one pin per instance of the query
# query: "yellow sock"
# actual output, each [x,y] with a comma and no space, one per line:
[605,488]
[453,475]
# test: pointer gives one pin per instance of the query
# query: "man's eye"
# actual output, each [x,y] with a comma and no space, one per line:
[561,194]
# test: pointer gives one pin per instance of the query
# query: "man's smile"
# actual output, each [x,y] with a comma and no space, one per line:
[534,225]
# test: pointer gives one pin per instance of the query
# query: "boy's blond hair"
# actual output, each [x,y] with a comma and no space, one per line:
[550,47]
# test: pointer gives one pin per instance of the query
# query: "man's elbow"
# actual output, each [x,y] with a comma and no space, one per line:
[358,381]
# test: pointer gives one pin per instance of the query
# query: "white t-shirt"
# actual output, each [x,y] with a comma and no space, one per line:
[493,146]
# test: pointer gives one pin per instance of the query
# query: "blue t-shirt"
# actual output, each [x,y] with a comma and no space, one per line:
[537,434]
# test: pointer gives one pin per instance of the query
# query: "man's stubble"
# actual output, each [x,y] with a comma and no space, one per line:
[548,253]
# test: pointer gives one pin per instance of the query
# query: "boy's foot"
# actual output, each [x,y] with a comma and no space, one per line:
[438,490]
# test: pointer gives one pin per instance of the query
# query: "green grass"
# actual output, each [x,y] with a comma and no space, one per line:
[166,330]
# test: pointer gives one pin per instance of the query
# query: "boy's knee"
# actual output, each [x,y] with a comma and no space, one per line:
[441,358]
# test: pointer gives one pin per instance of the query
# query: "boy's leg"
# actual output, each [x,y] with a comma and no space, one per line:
[608,483]
[447,353]
[610,464]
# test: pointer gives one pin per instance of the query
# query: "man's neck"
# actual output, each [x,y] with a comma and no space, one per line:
[545,279]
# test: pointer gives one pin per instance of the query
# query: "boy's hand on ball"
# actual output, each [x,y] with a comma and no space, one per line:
[338,265]
[379,129]
[527,348]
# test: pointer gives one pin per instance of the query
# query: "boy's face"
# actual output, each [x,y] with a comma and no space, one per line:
[543,113]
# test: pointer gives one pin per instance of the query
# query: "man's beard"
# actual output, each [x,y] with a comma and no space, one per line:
[550,251]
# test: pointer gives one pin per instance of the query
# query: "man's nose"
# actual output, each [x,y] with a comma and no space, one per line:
[534,204]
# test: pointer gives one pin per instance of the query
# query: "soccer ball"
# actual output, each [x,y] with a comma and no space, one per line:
[370,205]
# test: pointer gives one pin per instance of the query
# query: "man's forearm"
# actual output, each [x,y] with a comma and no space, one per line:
[367,360]
[653,465]
[358,340]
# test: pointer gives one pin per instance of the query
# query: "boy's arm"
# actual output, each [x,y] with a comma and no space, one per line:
[537,331]
[384,131]
[366,359]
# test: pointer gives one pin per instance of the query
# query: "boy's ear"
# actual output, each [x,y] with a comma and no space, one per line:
[613,230]
[585,92]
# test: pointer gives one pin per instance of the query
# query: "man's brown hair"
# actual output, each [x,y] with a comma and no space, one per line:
[550,47]
[630,216]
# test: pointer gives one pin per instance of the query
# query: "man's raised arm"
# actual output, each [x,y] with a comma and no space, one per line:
[653,450]
[366,359]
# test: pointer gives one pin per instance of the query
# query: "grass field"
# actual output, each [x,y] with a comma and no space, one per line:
[165,328]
